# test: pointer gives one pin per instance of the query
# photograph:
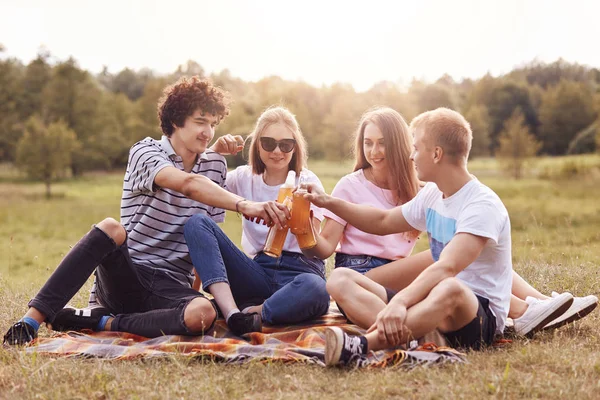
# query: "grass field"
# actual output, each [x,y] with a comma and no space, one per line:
[556,246]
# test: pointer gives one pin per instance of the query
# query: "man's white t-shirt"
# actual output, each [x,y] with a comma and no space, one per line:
[243,182]
[477,210]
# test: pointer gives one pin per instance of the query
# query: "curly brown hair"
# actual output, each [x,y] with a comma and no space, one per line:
[187,95]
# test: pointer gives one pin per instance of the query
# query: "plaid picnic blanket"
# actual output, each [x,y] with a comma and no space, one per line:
[287,344]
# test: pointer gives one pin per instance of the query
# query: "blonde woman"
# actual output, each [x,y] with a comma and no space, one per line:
[283,290]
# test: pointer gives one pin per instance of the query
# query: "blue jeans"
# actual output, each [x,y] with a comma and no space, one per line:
[360,263]
[291,286]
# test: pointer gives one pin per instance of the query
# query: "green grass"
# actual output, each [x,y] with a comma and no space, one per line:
[556,246]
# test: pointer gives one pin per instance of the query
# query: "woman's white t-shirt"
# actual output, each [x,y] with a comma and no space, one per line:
[243,182]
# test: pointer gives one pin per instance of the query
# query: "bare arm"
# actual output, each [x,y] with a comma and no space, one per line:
[203,190]
[327,240]
[366,218]
[459,253]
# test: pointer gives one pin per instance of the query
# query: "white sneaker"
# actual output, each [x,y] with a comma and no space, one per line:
[540,312]
[581,307]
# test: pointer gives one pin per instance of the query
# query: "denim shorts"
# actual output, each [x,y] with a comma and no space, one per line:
[359,263]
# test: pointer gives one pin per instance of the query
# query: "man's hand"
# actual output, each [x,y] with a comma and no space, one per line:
[390,324]
[270,212]
[228,144]
[316,195]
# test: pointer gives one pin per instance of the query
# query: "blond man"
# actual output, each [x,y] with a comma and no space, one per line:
[465,293]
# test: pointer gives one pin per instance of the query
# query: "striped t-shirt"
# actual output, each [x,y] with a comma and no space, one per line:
[154,217]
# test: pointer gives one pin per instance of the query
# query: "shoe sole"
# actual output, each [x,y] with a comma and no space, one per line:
[576,316]
[334,341]
[551,317]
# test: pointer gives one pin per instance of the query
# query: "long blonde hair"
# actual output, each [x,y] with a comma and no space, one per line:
[274,115]
[398,147]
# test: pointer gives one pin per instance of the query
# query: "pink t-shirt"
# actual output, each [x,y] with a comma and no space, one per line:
[357,189]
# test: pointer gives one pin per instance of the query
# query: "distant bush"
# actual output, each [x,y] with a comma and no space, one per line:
[569,167]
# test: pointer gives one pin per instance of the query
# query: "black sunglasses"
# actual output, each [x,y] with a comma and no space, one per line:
[270,144]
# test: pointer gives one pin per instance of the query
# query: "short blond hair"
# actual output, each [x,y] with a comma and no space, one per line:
[274,115]
[447,129]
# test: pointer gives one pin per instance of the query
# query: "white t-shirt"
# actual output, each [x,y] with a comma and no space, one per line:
[243,182]
[356,188]
[477,210]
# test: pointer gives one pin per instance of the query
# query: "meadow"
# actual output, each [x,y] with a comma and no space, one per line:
[555,217]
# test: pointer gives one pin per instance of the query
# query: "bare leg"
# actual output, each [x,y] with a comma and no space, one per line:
[222,294]
[400,273]
[449,306]
[521,288]
[359,296]
[517,307]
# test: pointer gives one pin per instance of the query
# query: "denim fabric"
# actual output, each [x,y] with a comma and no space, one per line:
[291,286]
[147,302]
[360,263]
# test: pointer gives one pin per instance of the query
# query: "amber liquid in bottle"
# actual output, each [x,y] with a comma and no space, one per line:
[276,237]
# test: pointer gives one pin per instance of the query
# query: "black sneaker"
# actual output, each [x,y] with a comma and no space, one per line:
[341,348]
[241,323]
[20,334]
[76,319]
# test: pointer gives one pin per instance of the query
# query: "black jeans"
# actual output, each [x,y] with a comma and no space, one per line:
[146,302]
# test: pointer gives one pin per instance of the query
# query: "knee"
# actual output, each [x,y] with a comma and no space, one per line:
[339,281]
[199,315]
[449,293]
[315,287]
[196,221]
[113,229]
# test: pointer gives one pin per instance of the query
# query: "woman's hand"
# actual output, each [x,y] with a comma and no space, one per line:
[316,195]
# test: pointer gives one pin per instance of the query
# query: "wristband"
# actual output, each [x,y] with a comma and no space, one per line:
[237,206]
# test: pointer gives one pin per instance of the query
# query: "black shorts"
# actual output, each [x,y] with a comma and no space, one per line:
[389,292]
[478,333]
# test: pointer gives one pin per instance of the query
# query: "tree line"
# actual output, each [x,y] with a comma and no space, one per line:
[89,121]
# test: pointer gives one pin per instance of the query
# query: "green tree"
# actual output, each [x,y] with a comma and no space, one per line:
[340,121]
[44,152]
[480,125]
[584,141]
[430,97]
[36,77]
[10,74]
[566,109]
[503,99]
[146,110]
[74,97]
[517,145]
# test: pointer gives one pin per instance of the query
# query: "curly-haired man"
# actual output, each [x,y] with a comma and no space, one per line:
[143,270]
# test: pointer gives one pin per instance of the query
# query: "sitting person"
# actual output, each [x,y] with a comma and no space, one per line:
[142,264]
[283,290]
[384,177]
[465,294]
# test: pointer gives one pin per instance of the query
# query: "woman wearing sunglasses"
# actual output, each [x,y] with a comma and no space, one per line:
[255,288]
[384,177]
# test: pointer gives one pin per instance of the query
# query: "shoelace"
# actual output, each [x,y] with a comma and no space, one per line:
[353,345]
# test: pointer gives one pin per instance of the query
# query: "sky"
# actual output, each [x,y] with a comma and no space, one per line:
[319,42]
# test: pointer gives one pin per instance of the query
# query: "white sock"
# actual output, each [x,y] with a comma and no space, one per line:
[235,310]
[247,309]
